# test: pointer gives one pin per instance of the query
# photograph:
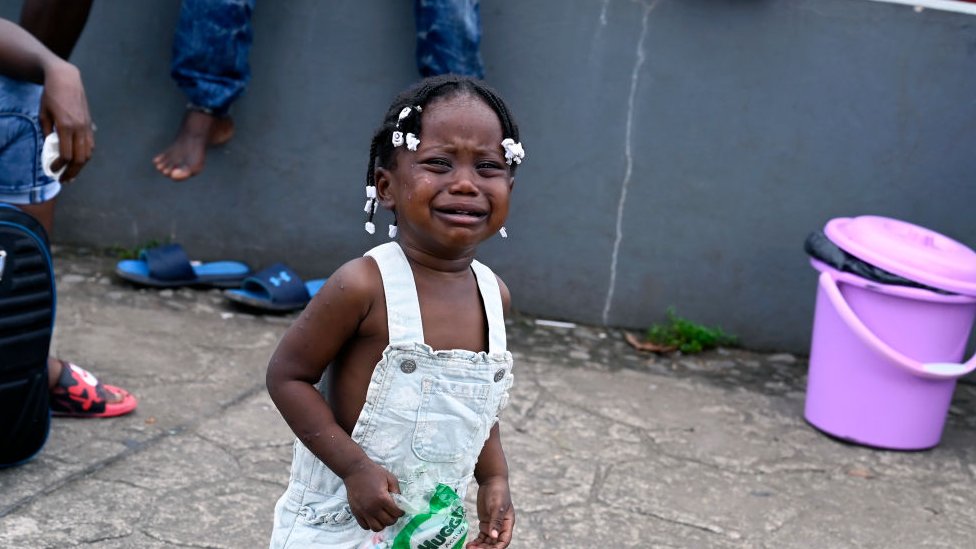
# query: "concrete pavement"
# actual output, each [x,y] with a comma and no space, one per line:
[607,447]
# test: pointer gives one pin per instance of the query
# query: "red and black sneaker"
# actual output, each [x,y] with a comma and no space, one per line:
[80,394]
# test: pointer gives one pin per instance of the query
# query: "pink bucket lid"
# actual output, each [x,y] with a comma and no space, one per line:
[914,252]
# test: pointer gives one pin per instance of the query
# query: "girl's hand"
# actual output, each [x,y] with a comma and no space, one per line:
[369,487]
[496,515]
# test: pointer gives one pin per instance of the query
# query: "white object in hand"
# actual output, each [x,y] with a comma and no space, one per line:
[49,153]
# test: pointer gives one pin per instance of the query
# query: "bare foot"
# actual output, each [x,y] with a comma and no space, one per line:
[185,156]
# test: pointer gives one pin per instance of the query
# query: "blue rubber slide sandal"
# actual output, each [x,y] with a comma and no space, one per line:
[276,289]
[169,267]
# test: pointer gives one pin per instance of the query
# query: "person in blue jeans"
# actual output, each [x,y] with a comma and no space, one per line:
[212,44]
[448,37]
[41,93]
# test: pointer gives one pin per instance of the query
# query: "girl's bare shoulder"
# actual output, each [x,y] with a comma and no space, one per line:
[356,285]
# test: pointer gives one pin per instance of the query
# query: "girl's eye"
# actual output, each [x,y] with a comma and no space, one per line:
[489,165]
[438,162]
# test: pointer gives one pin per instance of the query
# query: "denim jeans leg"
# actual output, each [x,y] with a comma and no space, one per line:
[210,51]
[448,37]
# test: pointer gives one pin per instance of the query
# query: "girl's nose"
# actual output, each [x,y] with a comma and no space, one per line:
[463,183]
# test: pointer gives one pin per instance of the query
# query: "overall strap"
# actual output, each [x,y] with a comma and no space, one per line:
[492,298]
[402,306]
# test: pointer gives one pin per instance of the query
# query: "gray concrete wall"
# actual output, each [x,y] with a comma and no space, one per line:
[678,152]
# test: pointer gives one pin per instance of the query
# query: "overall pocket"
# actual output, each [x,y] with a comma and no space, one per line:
[450,419]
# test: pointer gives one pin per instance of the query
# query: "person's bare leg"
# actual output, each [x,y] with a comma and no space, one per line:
[185,156]
[44,213]
[54,368]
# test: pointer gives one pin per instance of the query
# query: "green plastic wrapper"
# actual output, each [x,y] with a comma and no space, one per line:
[440,525]
[438,522]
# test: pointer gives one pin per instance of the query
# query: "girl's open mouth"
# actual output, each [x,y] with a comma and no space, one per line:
[461,215]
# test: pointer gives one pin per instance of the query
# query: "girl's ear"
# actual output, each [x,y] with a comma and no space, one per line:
[383,179]
[511,184]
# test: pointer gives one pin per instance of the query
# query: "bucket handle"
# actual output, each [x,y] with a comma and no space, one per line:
[940,370]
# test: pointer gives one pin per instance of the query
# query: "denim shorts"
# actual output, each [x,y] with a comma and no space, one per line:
[22,180]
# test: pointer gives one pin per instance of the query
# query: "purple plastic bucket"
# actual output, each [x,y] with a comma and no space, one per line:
[884,360]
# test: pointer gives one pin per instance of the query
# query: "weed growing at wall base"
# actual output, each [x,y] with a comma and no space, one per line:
[687,336]
[122,252]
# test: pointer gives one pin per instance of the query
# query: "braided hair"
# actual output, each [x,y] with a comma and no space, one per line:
[414,99]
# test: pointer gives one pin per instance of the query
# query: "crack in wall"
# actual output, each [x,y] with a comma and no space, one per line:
[629,159]
[598,35]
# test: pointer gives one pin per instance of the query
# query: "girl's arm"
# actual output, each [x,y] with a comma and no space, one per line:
[496,515]
[331,319]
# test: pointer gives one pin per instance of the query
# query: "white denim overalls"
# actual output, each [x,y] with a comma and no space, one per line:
[426,417]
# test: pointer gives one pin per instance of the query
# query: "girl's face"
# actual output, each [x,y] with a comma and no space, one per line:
[452,193]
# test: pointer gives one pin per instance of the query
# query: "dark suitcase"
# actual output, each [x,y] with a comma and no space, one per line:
[27,303]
